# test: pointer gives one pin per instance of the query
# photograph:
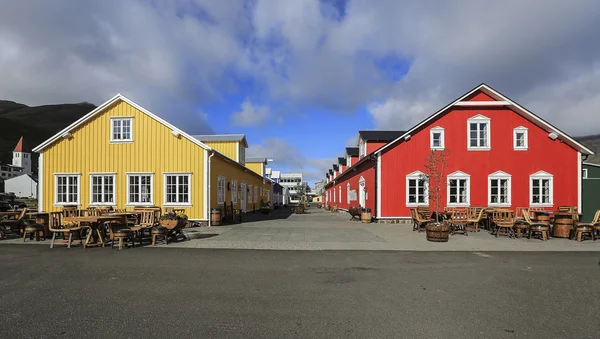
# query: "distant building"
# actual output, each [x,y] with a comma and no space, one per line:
[23,186]
[22,157]
[291,181]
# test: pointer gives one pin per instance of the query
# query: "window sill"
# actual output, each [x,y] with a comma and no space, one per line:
[417,205]
[103,204]
[66,204]
[521,149]
[480,149]
[438,148]
[459,205]
[177,205]
[121,142]
[499,205]
[133,204]
[541,205]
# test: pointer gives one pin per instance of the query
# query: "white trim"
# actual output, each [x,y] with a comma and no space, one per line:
[348,193]
[40,191]
[579,183]
[590,164]
[130,174]
[206,185]
[500,175]
[525,132]
[101,108]
[483,103]
[237,151]
[478,119]
[459,175]
[439,130]
[56,175]
[384,218]
[219,179]
[417,175]
[516,108]
[378,183]
[584,173]
[102,173]
[539,176]
[234,191]
[114,189]
[189,194]
[112,140]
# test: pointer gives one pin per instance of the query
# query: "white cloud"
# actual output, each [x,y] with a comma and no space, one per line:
[251,115]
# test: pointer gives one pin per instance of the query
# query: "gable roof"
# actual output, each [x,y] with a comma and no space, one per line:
[352,151]
[256,159]
[502,100]
[21,147]
[379,135]
[222,137]
[101,108]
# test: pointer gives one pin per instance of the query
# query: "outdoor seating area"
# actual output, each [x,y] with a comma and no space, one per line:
[96,226]
[523,222]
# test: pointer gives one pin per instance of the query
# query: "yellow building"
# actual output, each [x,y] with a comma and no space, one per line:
[122,155]
[257,164]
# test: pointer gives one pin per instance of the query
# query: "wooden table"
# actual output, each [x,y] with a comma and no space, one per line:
[10,214]
[42,218]
[95,222]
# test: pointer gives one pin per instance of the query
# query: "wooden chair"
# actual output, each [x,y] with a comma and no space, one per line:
[521,228]
[459,221]
[55,225]
[146,221]
[14,225]
[588,228]
[475,217]
[70,211]
[424,211]
[418,221]
[536,228]
[504,222]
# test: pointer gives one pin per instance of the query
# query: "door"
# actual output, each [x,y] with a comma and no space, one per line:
[243,198]
[361,192]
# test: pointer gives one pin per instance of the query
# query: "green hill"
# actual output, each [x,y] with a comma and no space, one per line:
[593,143]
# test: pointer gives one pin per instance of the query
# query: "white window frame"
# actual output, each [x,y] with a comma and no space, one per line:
[121,140]
[458,175]
[189,193]
[541,175]
[349,161]
[334,200]
[78,196]
[221,182]
[584,173]
[114,190]
[500,175]
[255,194]
[249,194]
[418,175]
[234,192]
[129,202]
[478,119]
[348,192]
[525,132]
[433,131]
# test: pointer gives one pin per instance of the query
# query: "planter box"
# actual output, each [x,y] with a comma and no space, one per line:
[170,224]
[438,233]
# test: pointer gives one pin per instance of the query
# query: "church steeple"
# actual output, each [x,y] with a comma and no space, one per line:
[22,156]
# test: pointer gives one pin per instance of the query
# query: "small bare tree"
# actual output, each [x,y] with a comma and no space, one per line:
[435,167]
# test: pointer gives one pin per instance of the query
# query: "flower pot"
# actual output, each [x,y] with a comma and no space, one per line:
[437,232]
[170,224]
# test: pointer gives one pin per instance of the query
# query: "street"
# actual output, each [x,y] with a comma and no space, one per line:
[211,293]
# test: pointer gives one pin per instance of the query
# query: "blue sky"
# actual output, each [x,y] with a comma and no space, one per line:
[301,77]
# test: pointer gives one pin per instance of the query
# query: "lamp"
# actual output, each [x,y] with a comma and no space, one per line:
[552,136]
[229,186]
[406,138]
[67,135]
[176,133]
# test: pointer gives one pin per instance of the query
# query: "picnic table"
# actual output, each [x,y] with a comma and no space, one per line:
[94,223]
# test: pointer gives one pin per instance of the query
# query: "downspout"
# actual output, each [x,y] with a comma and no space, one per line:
[375,159]
[209,212]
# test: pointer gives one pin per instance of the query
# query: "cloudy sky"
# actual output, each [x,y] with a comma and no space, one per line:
[300,77]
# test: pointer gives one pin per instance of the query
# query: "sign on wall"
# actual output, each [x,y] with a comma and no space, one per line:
[353,195]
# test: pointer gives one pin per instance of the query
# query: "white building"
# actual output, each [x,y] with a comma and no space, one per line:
[21,163]
[23,186]
[290,183]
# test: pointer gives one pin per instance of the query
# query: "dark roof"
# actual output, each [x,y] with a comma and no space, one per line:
[352,151]
[336,167]
[256,159]
[342,161]
[327,175]
[222,137]
[330,172]
[380,135]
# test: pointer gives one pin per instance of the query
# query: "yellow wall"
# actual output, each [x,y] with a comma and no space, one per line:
[227,148]
[232,171]
[256,167]
[154,149]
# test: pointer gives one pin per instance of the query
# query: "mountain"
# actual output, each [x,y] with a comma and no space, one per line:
[35,124]
[593,143]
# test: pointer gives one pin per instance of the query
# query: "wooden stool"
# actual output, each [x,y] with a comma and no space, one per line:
[33,229]
[160,231]
[521,228]
[121,235]
[540,230]
[582,230]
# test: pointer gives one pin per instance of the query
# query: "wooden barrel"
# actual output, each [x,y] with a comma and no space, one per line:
[438,233]
[542,217]
[215,216]
[563,225]
[366,217]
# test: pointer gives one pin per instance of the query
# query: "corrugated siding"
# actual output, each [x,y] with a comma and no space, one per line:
[256,167]
[590,189]
[154,149]
[227,148]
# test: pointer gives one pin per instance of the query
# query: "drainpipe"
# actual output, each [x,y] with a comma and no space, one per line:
[375,159]
[209,212]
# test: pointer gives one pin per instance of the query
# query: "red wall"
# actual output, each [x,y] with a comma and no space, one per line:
[543,153]
[372,146]
[365,170]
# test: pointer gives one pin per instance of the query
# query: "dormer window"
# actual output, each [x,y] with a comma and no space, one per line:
[362,148]
[520,138]
[121,129]
[478,128]
[437,138]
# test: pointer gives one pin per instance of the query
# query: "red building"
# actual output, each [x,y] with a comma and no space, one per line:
[501,154]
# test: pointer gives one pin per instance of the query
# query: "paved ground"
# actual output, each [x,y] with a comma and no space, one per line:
[170,292]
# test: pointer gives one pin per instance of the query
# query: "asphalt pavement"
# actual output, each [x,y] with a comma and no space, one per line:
[212,293]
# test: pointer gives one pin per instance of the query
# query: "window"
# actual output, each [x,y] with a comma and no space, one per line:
[459,190]
[499,189]
[234,192]
[585,173]
[221,190]
[334,195]
[340,193]
[67,189]
[348,192]
[255,194]
[140,189]
[479,133]
[121,129]
[437,138]
[349,161]
[416,189]
[250,195]
[177,188]
[541,189]
[520,138]
[103,189]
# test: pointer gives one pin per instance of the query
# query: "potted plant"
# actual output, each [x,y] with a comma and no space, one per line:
[172,219]
[265,208]
[435,166]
